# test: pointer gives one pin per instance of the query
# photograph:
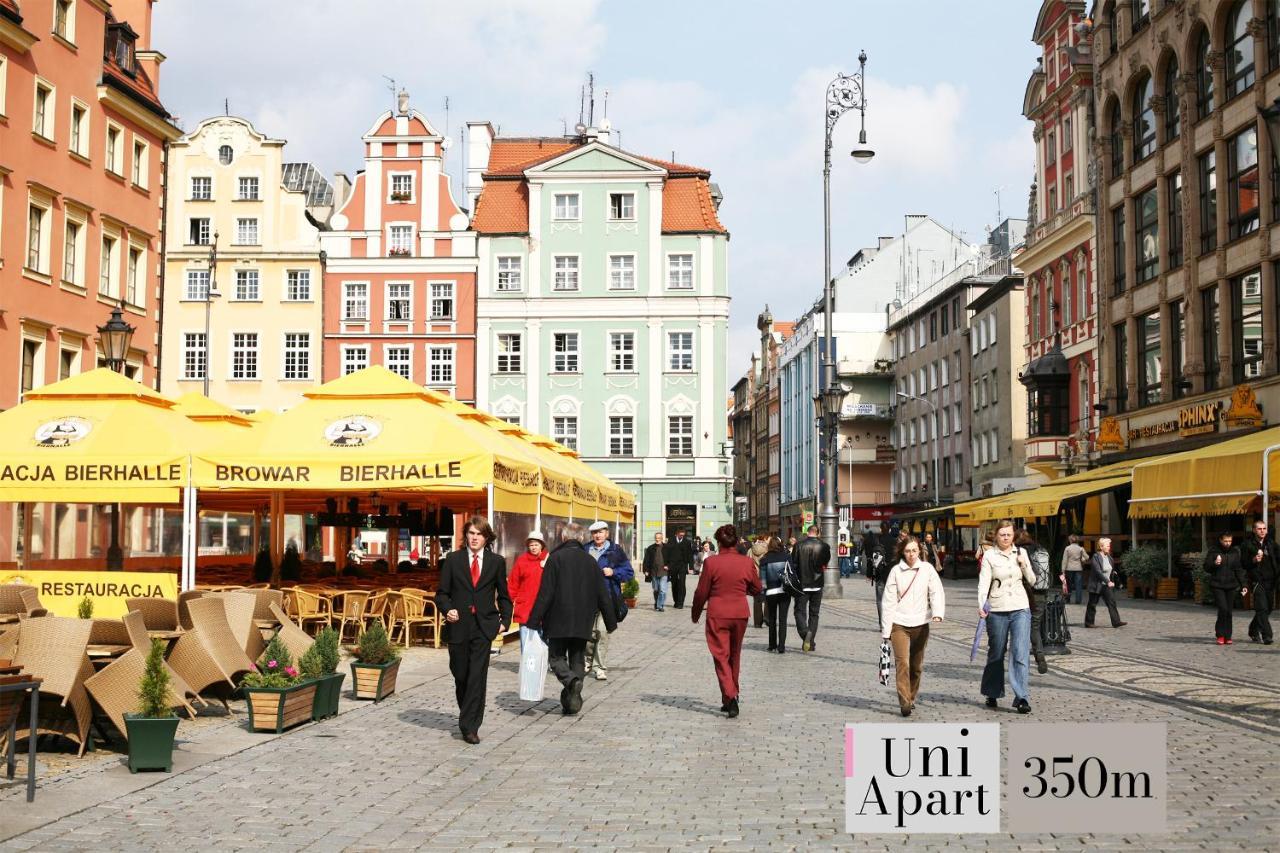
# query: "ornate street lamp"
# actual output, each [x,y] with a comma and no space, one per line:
[846,92]
[113,340]
[211,293]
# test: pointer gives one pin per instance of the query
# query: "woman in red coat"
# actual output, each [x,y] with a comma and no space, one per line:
[525,579]
[728,579]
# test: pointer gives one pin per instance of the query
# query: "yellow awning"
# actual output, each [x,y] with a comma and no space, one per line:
[1043,501]
[1218,479]
[965,512]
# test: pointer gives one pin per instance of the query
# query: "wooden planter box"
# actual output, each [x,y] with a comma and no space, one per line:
[1167,589]
[374,681]
[274,709]
[328,689]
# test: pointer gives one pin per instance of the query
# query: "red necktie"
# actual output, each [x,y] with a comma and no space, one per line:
[475,570]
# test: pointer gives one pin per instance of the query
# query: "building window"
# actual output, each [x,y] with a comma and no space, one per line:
[1208,202]
[1117,142]
[197,286]
[115,150]
[1149,373]
[199,232]
[42,115]
[1242,183]
[1141,14]
[565,350]
[440,365]
[1240,49]
[680,272]
[1066,134]
[195,355]
[1113,36]
[139,164]
[680,435]
[1117,249]
[1246,326]
[71,252]
[247,231]
[201,188]
[1035,317]
[37,234]
[1144,120]
[355,301]
[680,352]
[31,365]
[566,272]
[354,358]
[622,272]
[399,301]
[1147,235]
[566,206]
[509,353]
[401,240]
[133,270]
[1173,192]
[297,286]
[1050,148]
[564,429]
[402,187]
[297,355]
[247,286]
[1209,322]
[64,20]
[225,155]
[1082,290]
[244,355]
[441,300]
[1178,325]
[1172,115]
[621,435]
[1204,77]
[622,352]
[1120,333]
[109,277]
[79,128]
[622,206]
[509,273]
[247,189]
[398,361]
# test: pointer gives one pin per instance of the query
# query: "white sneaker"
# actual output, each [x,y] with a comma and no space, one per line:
[601,676]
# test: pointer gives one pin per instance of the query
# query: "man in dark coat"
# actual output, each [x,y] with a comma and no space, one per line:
[1261,559]
[571,594]
[809,558]
[655,570]
[679,552]
[476,606]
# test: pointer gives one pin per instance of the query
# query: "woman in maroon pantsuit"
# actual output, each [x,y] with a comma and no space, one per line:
[728,579]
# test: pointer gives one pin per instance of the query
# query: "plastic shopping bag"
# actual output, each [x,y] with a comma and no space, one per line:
[533,666]
[886,664]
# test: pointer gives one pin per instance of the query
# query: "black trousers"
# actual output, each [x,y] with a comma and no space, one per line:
[776,607]
[1263,594]
[1038,599]
[1108,595]
[807,606]
[568,656]
[677,587]
[469,663]
[1224,600]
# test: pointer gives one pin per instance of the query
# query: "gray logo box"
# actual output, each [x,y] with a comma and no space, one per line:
[1100,778]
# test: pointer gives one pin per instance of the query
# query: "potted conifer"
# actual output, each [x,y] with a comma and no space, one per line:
[630,590]
[276,693]
[373,672]
[152,730]
[320,664]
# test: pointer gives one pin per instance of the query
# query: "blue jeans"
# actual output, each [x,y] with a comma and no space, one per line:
[661,586]
[1012,628]
[1075,583]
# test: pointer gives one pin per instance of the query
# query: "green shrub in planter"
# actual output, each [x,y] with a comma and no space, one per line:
[1146,566]
[631,588]
[377,663]
[152,730]
[277,694]
[320,663]
[85,609]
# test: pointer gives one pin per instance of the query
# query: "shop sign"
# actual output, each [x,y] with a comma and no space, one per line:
[62,591]
[1109,435]
[1244,410]
[1199,419]
[1152,430]
[886,453]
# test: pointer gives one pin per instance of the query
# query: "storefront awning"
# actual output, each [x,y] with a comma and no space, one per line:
[1044,501]
[1218,479]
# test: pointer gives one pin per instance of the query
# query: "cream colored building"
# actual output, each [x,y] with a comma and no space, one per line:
[256,334]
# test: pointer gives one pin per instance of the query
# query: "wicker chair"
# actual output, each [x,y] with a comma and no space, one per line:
[296,640]
[415,611]
[109,632]
[135,624]
[115,689]
[240,607]
[8,642]
[184,598]
[31,600]
[310,608]
[209,655]
[159,614]
[354,602]
[53,650]
[11,597]
[264,598]
[378,608]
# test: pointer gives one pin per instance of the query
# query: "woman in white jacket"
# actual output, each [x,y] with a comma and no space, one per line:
[913,597]
[1002,600]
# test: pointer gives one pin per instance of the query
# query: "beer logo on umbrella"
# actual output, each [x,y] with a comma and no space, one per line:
[62,432]
[352,431]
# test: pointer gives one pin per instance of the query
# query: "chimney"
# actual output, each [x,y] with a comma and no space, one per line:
[884,241]
[341,189]
[149,61]
[479,145]
[605,133]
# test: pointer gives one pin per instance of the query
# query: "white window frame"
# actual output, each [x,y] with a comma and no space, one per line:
[514,358]
[189,355]
[433,298]
[556,206]
[248,295]
[80,129]
[292,284]
[348,298]
[43,240]
[205,231]
[610,271]
[200,293]
[612,338]
[71,216]
[566,273]
[113,156]
[232,350]
[136,275]
[69,34]
[248,227]
[48,124]
[348,363]
[4,80]
[141,162]
[395,246]
[561,433]
[452,361]
[622,196]
[673,352]
[561,362]
[515,272]
[675,276]
[111,261]
[391,187]
[628,435]
[407,362]
[304,374]
[407,298]
[673,436]
[192,188]
[241,185]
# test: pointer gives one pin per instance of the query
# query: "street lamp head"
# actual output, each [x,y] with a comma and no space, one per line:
[862,154]
[114,339]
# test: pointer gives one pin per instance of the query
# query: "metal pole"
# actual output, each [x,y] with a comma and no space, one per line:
[831,587]
[208,303]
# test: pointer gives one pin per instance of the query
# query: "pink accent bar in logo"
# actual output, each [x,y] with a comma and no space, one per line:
[848,752]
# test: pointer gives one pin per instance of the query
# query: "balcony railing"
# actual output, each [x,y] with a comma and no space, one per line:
[1081,205]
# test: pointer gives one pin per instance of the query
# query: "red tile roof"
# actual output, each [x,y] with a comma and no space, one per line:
[687,207]
[514,156]
[503,208]
[784,330]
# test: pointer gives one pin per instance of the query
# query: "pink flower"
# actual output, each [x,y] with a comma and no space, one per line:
[290,671]
[253,667]
[271,664]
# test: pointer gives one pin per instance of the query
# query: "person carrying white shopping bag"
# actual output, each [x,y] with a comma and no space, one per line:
[913,597]
[533,666]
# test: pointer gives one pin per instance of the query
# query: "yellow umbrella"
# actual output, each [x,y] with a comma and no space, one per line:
[215,418]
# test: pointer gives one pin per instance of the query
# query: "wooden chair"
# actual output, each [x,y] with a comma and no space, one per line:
[185,598]
[53,649]
[209,655]
[310,608]
[159,614]
[414,611]
[354,603]
[296,640]
[136,626]
[8,642]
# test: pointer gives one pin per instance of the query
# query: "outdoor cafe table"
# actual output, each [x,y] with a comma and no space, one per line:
[105,650]
[31,685]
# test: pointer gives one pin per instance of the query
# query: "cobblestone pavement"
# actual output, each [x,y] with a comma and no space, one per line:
[650,764]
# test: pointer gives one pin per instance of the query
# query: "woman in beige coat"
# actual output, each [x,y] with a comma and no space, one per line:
[913,598]
[1002,600]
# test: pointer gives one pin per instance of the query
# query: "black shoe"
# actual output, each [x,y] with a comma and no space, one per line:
[574,705]
[733,708]
[772,649]
[992,703]
[471,737]
[1119,624]
[1022,706]
[1091,626]
[1267,642]
[1254,638]
[906,712]
[1042,665]
[782,650]
[724,707]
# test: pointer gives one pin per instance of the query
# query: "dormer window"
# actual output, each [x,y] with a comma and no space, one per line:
[225,155]
[121,40]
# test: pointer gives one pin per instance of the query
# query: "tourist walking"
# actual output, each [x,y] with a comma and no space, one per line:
[1261,559]
[881,558]
[929,552]
[726,581]
[1074,558]
[680,555]
[703,551]
[571,602]
[1102,585]
[809,558]
[913,598]
[1037,593]
[756,551]
[526,575]
[473,598]
[1226,578]
[655,571]
[773,564]
[616,568]
[1002,600]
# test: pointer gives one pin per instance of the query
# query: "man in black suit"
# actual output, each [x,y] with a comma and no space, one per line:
[474,600]
[571,594]
[679,554]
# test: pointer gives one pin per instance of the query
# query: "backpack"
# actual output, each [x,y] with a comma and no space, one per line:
[1039,559]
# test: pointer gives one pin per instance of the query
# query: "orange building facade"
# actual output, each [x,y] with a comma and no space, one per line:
[400,264]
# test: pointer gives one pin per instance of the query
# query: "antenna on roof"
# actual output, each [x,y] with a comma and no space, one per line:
[591,99]
[606,103]
[391,85]
[999,218]
[226,106]
[564,126]
[582,106]
[446,115]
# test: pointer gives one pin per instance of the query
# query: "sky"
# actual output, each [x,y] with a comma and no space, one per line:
[733,86]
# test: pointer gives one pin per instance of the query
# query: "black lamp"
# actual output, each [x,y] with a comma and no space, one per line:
[114,339]
[1271,119]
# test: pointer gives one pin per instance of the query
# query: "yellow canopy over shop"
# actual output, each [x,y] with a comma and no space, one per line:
[1219,479]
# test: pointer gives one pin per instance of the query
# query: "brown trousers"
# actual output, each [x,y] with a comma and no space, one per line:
[908,660]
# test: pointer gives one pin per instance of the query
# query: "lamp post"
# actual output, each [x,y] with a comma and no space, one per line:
[936,448]
[210,293]
[846,92]
[113,340]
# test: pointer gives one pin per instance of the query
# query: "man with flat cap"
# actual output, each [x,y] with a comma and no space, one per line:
[616,570]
